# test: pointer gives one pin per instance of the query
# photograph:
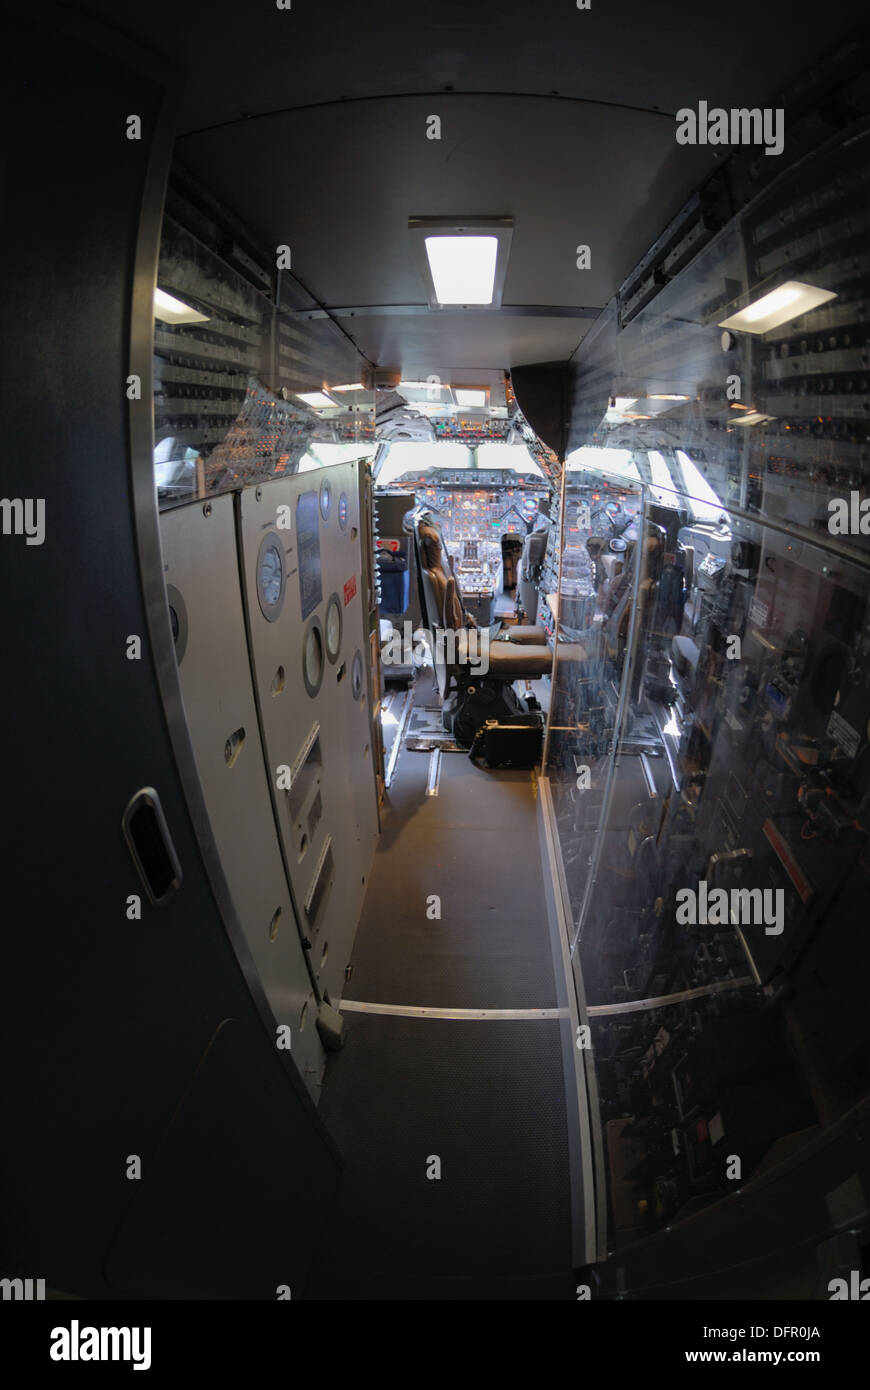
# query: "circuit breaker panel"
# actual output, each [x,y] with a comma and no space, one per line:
[301,561]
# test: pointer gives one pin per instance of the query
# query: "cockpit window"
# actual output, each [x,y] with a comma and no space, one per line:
[417,456]
[516,456]
[705,505]
[323,455]
[616,461]
[665,488]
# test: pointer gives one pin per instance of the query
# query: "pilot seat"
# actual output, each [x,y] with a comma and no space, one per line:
[530,568]
[471,696]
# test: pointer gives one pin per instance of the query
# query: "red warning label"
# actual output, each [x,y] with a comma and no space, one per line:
[349,590]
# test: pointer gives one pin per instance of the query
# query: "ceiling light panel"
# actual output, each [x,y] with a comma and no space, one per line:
[463,261]
[462,268]
[787,301]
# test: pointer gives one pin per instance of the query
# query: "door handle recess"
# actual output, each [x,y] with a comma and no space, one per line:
[151,847]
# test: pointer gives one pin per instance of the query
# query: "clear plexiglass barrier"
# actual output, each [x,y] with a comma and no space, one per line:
[708,766]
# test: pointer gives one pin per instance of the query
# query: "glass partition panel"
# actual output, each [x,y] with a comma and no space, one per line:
[710,770]
[247,386]
[594,605]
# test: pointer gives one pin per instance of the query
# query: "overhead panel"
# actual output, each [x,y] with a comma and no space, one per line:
[205,603]
[301,561]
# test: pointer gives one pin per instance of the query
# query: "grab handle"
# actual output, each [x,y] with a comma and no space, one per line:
[151,847]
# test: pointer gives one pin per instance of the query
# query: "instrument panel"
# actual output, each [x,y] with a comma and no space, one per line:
[479,513]
[475,509]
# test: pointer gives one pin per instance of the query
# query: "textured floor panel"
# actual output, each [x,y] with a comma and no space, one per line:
[465,962]
[475,847]
[468,796]
[473,871]
[426,719]
[425,689]
[426,742]
[487,1099]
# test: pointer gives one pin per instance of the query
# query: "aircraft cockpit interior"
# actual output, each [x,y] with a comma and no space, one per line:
[439,778]
[452,550]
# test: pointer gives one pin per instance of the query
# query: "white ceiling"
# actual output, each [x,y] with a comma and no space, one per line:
[569,173]
[311,124]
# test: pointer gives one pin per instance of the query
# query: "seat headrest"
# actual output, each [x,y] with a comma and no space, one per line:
[431,547]
[534,546]
[437,568]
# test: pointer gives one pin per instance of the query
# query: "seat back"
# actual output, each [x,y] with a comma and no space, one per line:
[435,572]
[534,550]
[394,580]
[511,549]
[441,600]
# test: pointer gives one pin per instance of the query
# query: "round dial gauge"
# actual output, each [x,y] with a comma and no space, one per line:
[356,675]
[342,511]
[333,627]
[312,658]
[270,576]
[325,500]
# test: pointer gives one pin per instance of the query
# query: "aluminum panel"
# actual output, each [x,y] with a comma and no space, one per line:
[201,566]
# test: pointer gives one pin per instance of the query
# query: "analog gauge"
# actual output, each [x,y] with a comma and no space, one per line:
[312,658]
[270,576]
[325,500]
[356,675]
[333,627]
[342,511]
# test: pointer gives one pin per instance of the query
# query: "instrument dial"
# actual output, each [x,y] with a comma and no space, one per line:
[356,675]
[333,628]
[270,576]
[312,658]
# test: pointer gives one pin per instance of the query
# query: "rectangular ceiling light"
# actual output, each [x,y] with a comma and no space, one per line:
[462,268]
[787,301]
[468,397]
[168,309]
[355,386]
[318,399]
[462,261]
